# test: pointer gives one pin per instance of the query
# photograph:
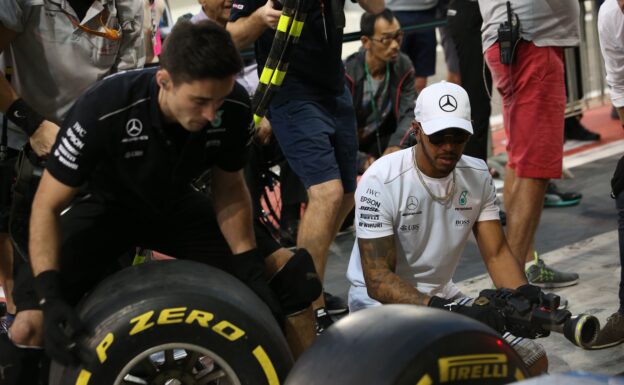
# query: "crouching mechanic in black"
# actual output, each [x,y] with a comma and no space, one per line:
[137,139]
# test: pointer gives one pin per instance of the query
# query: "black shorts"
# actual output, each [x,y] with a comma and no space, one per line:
[96,233]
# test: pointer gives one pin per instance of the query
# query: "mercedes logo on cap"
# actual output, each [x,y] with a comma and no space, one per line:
[448,103]
[134,127]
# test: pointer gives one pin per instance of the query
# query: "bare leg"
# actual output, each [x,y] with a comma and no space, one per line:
[317,227]
[345,207]
[300,332]
[524,200]
[6,270]
[453,77]
[420,83]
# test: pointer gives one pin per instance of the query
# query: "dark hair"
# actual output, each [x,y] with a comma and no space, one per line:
[196,51]
[367,22]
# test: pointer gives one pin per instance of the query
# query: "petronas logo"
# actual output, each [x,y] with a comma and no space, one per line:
[217,121]
[463,198]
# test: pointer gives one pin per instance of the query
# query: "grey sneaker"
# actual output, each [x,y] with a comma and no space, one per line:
[546,277]
[612,333]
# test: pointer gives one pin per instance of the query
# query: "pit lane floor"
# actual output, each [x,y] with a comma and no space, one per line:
[580,238]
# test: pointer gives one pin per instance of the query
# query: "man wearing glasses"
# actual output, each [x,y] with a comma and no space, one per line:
[381,80]
[420,204]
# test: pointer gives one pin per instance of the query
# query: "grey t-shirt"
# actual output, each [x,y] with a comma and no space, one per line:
[410,5]
[553,23]
[54,62]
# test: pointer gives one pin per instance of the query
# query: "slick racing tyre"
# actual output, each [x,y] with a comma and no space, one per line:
[406,344]
[176,322]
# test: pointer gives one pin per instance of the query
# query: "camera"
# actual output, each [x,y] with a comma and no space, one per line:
[508,36]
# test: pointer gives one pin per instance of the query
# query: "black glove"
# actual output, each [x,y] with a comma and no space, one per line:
[485,314]
[249,268]
[533,293]
[61,324]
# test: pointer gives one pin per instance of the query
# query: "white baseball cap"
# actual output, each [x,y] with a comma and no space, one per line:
[443,105]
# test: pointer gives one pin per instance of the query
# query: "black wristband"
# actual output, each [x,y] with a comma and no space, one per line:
[20,114]
[48,285]
[439,302]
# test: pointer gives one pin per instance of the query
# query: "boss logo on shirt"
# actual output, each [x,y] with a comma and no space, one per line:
[462,222]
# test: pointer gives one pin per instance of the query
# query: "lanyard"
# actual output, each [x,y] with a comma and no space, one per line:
[373,101]
[109,33]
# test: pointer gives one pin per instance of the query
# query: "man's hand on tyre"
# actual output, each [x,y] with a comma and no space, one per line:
[249,268]
[485,314]
[61,324]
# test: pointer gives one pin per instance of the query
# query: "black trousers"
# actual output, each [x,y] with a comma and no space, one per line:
[464,23]
[94,233]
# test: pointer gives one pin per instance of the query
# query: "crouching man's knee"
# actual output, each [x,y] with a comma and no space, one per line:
[297,283]
[22,359]
[27,329]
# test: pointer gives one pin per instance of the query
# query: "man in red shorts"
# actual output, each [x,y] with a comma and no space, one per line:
[533,91]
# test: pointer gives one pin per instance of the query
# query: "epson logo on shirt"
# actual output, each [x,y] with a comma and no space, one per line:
[370,201]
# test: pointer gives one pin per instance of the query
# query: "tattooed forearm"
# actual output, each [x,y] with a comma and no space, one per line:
[379,265]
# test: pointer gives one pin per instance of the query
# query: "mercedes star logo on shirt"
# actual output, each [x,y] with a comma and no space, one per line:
[448,103]
[412,203]
[134,127]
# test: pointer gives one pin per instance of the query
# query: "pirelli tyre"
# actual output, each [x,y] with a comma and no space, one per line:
[176,323]
[405,344]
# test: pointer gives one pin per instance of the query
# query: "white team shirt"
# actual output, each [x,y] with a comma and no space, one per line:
[547,23]
[611,33]
[390,199]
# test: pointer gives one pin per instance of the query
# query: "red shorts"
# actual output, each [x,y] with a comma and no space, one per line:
[534,101]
